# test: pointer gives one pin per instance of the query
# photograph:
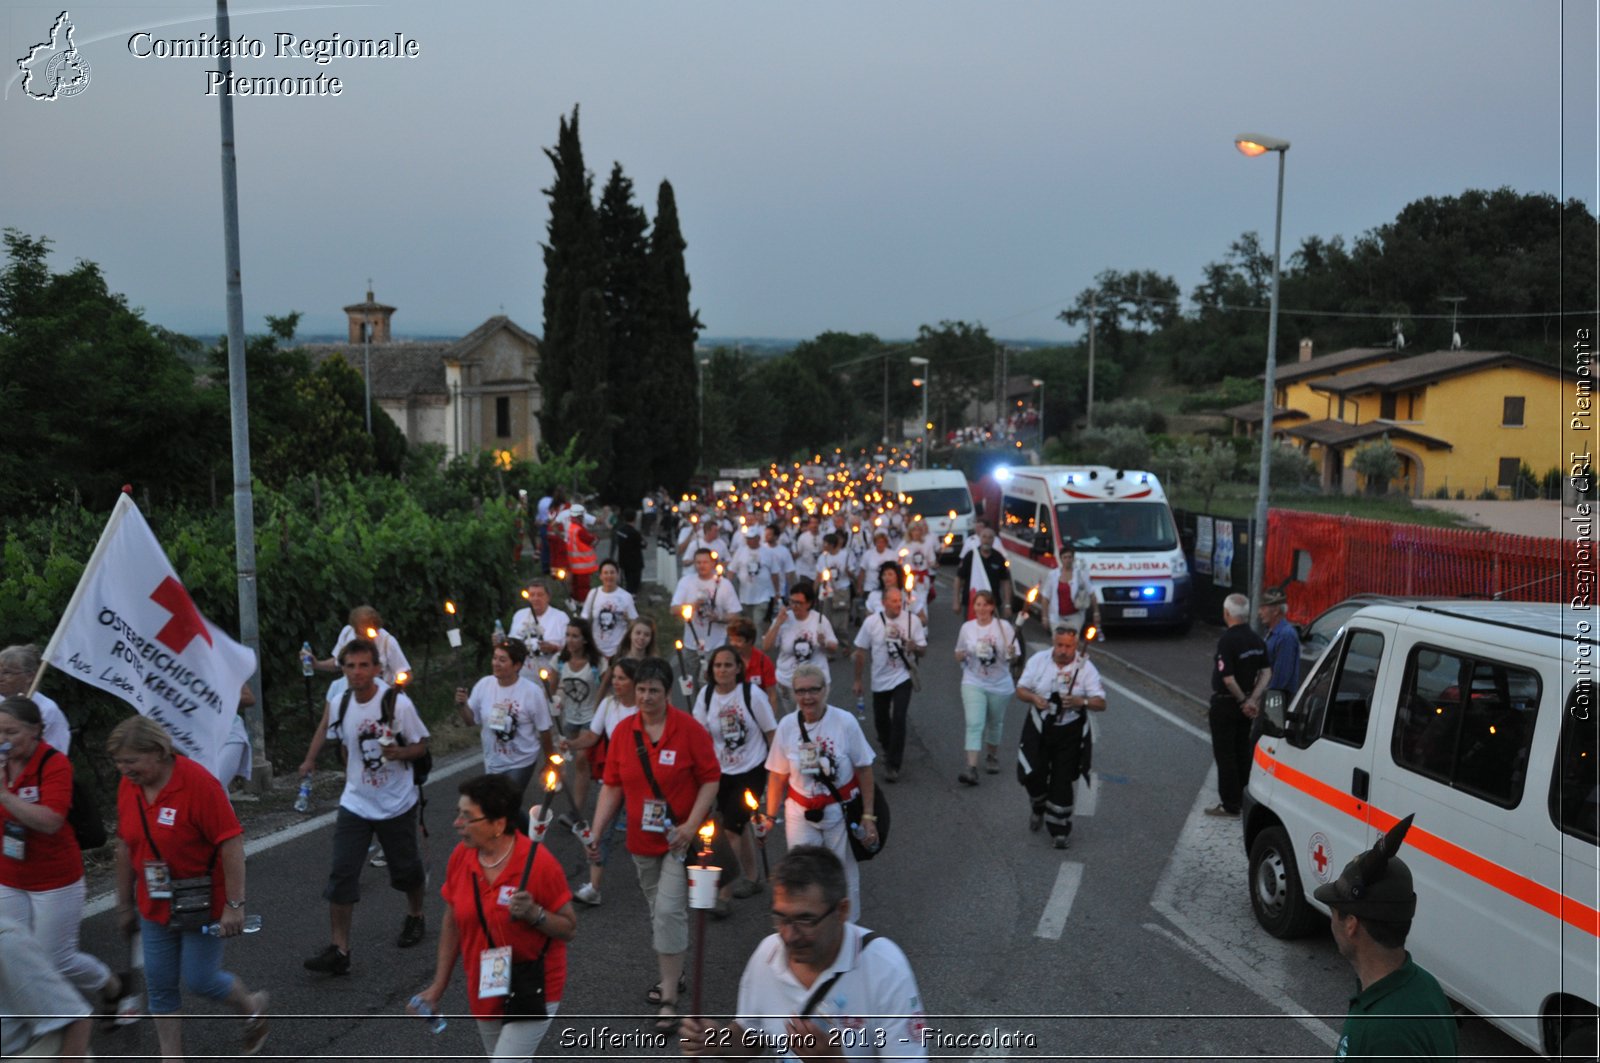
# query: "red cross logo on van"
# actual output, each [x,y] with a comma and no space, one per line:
[1321,855]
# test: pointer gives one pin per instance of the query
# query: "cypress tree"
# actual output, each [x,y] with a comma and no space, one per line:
[673,329]
[625,247]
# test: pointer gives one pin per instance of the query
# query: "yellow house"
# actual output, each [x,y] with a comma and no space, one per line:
[1459,420]
[1292,388]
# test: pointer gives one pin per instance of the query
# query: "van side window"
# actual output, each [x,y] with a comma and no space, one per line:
[1044,540]
[1346,713]
[1575,788]
[1018,519]
[1466,722]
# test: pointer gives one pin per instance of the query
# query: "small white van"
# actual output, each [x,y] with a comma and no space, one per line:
[1119,523]
[1480,718]
[941,497]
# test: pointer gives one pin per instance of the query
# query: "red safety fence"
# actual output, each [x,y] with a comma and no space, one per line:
[1351,556]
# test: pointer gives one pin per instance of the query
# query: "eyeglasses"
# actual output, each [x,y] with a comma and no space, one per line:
[798,922]
[462,817]
[807,692]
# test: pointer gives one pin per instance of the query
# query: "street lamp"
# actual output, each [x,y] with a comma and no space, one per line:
[700,386]
[1253,144]
[1040,385]
[925,382]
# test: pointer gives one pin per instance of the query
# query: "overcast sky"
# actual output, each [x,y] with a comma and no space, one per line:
[859,166]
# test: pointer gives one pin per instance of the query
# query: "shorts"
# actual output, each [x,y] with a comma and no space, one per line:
[731,806]
[352,835]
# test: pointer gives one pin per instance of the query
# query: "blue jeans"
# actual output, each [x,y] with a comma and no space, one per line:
[169,953]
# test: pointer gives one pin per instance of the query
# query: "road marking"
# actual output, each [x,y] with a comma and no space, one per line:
[1085,797]
[1145,703]
[1053,920]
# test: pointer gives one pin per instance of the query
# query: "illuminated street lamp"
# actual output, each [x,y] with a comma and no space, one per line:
[925,382]
[1253,144]
[1040,385]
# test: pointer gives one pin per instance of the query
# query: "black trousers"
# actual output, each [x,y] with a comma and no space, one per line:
[889,708]
[1047,766]
[1231,745]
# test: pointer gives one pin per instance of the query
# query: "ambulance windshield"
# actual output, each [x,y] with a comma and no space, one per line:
[1117,527]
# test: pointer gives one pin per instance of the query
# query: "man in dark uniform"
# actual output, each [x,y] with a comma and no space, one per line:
[1400,1010]
[1240,665]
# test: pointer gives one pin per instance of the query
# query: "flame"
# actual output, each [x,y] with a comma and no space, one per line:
[750,801]
[1033,594]
[911,579]
[687,612]
[372,632]
[1090,633]
[952,514]
[557,759]
[694,518]
[715,555]
[524,593]
[678,645]
[561,573]
[544,673]
[708,830]
[402,678]
[552,780]
[450,607]
[719,570]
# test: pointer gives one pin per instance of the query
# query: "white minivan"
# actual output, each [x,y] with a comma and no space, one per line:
[941,497]
[1480,718]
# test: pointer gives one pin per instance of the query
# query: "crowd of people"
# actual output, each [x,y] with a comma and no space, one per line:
[774,583]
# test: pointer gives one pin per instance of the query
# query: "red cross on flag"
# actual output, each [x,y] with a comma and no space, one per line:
[132,630]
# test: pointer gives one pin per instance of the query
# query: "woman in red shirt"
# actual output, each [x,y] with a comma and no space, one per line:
[495,899]
[41,868]
[680,757]
[758,667]
[174,822]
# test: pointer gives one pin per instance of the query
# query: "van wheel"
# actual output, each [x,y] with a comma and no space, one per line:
[1275,890]
[1579,1043]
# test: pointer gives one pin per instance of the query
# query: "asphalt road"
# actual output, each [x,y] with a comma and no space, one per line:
[1136,942]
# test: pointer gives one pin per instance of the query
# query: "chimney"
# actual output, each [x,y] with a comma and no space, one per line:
[1305,349]
[369,320]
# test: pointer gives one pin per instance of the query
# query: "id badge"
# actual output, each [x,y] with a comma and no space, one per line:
[500,722]
[16,842]
[653,816]
[157,880]
[808,758]
[494,972]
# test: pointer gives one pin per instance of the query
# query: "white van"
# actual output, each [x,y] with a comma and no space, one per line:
[1119,523]
[1480,717]
[941,497]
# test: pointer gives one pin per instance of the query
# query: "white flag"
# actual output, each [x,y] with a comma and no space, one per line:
[978,581]
[131,629]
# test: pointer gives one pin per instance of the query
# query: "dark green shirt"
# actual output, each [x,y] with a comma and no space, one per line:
[1401,1016]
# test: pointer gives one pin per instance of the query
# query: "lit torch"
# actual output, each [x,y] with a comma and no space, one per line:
[754,806]
[453,633]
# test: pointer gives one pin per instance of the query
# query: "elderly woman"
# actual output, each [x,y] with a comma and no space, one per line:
[821,741]
[175,828]
[18,666]
[661,764]
[500,892]
[41,870]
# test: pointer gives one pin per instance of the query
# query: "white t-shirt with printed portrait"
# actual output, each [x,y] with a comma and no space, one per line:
[533,630]
[376,788]
[737,732]
[608,613]
[754,585]
[990,649]
[836,741]
[512,718]
[891,642]
[802,642]
[578,693]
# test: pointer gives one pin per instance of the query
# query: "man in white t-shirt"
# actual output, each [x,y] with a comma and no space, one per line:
[382,735]
[818,974]
[713,603]
[778,563]
[18,666]
[1060,686]
[892,639]
[807,548]
[542,628]
[755,586]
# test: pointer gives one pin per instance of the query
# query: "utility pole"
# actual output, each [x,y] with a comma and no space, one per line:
[1094,308]
[886,398]
[1455,302]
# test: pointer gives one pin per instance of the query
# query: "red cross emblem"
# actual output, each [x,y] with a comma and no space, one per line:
[186,624]
[1319,856]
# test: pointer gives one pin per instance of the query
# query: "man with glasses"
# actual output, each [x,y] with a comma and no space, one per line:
[818,742]
[819,985]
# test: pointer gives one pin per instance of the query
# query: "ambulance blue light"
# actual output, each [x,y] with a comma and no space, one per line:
[1002,474]
[1148,592]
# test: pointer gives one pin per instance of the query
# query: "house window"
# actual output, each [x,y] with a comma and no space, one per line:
[1508,471]
[502,417]
[1386,407]
[1512,415]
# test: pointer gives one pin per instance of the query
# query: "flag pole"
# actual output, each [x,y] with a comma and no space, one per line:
[124,503]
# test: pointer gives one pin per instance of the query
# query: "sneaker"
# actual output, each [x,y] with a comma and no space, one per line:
[746,888]
[587,894]
[991,764]
[255,1027]
[1060,841]
[411,931]
[891,774]
[1035,820]
[968,777]
[1221,810]
[330,960]
[375,851]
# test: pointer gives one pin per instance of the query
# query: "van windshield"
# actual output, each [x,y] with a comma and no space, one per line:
[938,501]
[1117,526]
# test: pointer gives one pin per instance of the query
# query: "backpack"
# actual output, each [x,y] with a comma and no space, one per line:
[84,816]
[422,767]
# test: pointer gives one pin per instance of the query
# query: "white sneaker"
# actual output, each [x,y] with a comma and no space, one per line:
[587,894]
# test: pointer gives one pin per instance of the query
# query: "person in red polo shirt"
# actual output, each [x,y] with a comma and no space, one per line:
[41,868]
[665,744]
[174,822]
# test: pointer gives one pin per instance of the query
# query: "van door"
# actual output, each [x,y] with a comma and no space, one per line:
[1019,522]
[1320,791]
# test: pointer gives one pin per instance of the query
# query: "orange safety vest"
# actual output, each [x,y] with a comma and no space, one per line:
[580,554]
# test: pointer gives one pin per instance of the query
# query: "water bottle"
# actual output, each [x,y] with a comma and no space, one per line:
[306,660]
[499,631]
[252,924]
[436,1023]
[302,801]
[861,708]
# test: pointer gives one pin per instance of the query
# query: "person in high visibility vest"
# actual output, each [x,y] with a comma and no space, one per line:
[581,560]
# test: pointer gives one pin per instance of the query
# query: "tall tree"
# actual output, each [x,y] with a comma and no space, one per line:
[573,268]
[673,328]
[625,246]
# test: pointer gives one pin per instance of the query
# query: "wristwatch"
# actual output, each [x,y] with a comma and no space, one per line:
[235,905]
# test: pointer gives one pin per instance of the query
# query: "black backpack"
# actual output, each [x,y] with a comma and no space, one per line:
[422,767]
[84,815]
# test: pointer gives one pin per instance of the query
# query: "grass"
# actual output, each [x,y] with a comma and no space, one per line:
[1238,500]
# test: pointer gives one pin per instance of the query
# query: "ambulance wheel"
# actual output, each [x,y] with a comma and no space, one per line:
[1275,891]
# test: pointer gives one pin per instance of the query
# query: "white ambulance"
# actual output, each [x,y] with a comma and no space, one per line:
[1119,523]
[1479,717]
[941,497]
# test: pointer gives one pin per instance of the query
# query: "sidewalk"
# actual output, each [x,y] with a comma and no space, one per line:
[1540,517]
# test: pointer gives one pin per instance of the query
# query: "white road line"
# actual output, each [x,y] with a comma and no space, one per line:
[1053,920]
[1145,703]
[1086,797]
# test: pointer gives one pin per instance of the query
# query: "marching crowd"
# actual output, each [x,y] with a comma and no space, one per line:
[578,714]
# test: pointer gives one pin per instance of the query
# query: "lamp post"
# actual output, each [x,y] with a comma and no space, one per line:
[1254,144]
[700,386]
[925,382]
[1040,385]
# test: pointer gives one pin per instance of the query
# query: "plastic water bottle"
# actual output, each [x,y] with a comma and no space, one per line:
[436,1023]
[302,801]
[499,631]
[861,708]
[252,924]
[306,660]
